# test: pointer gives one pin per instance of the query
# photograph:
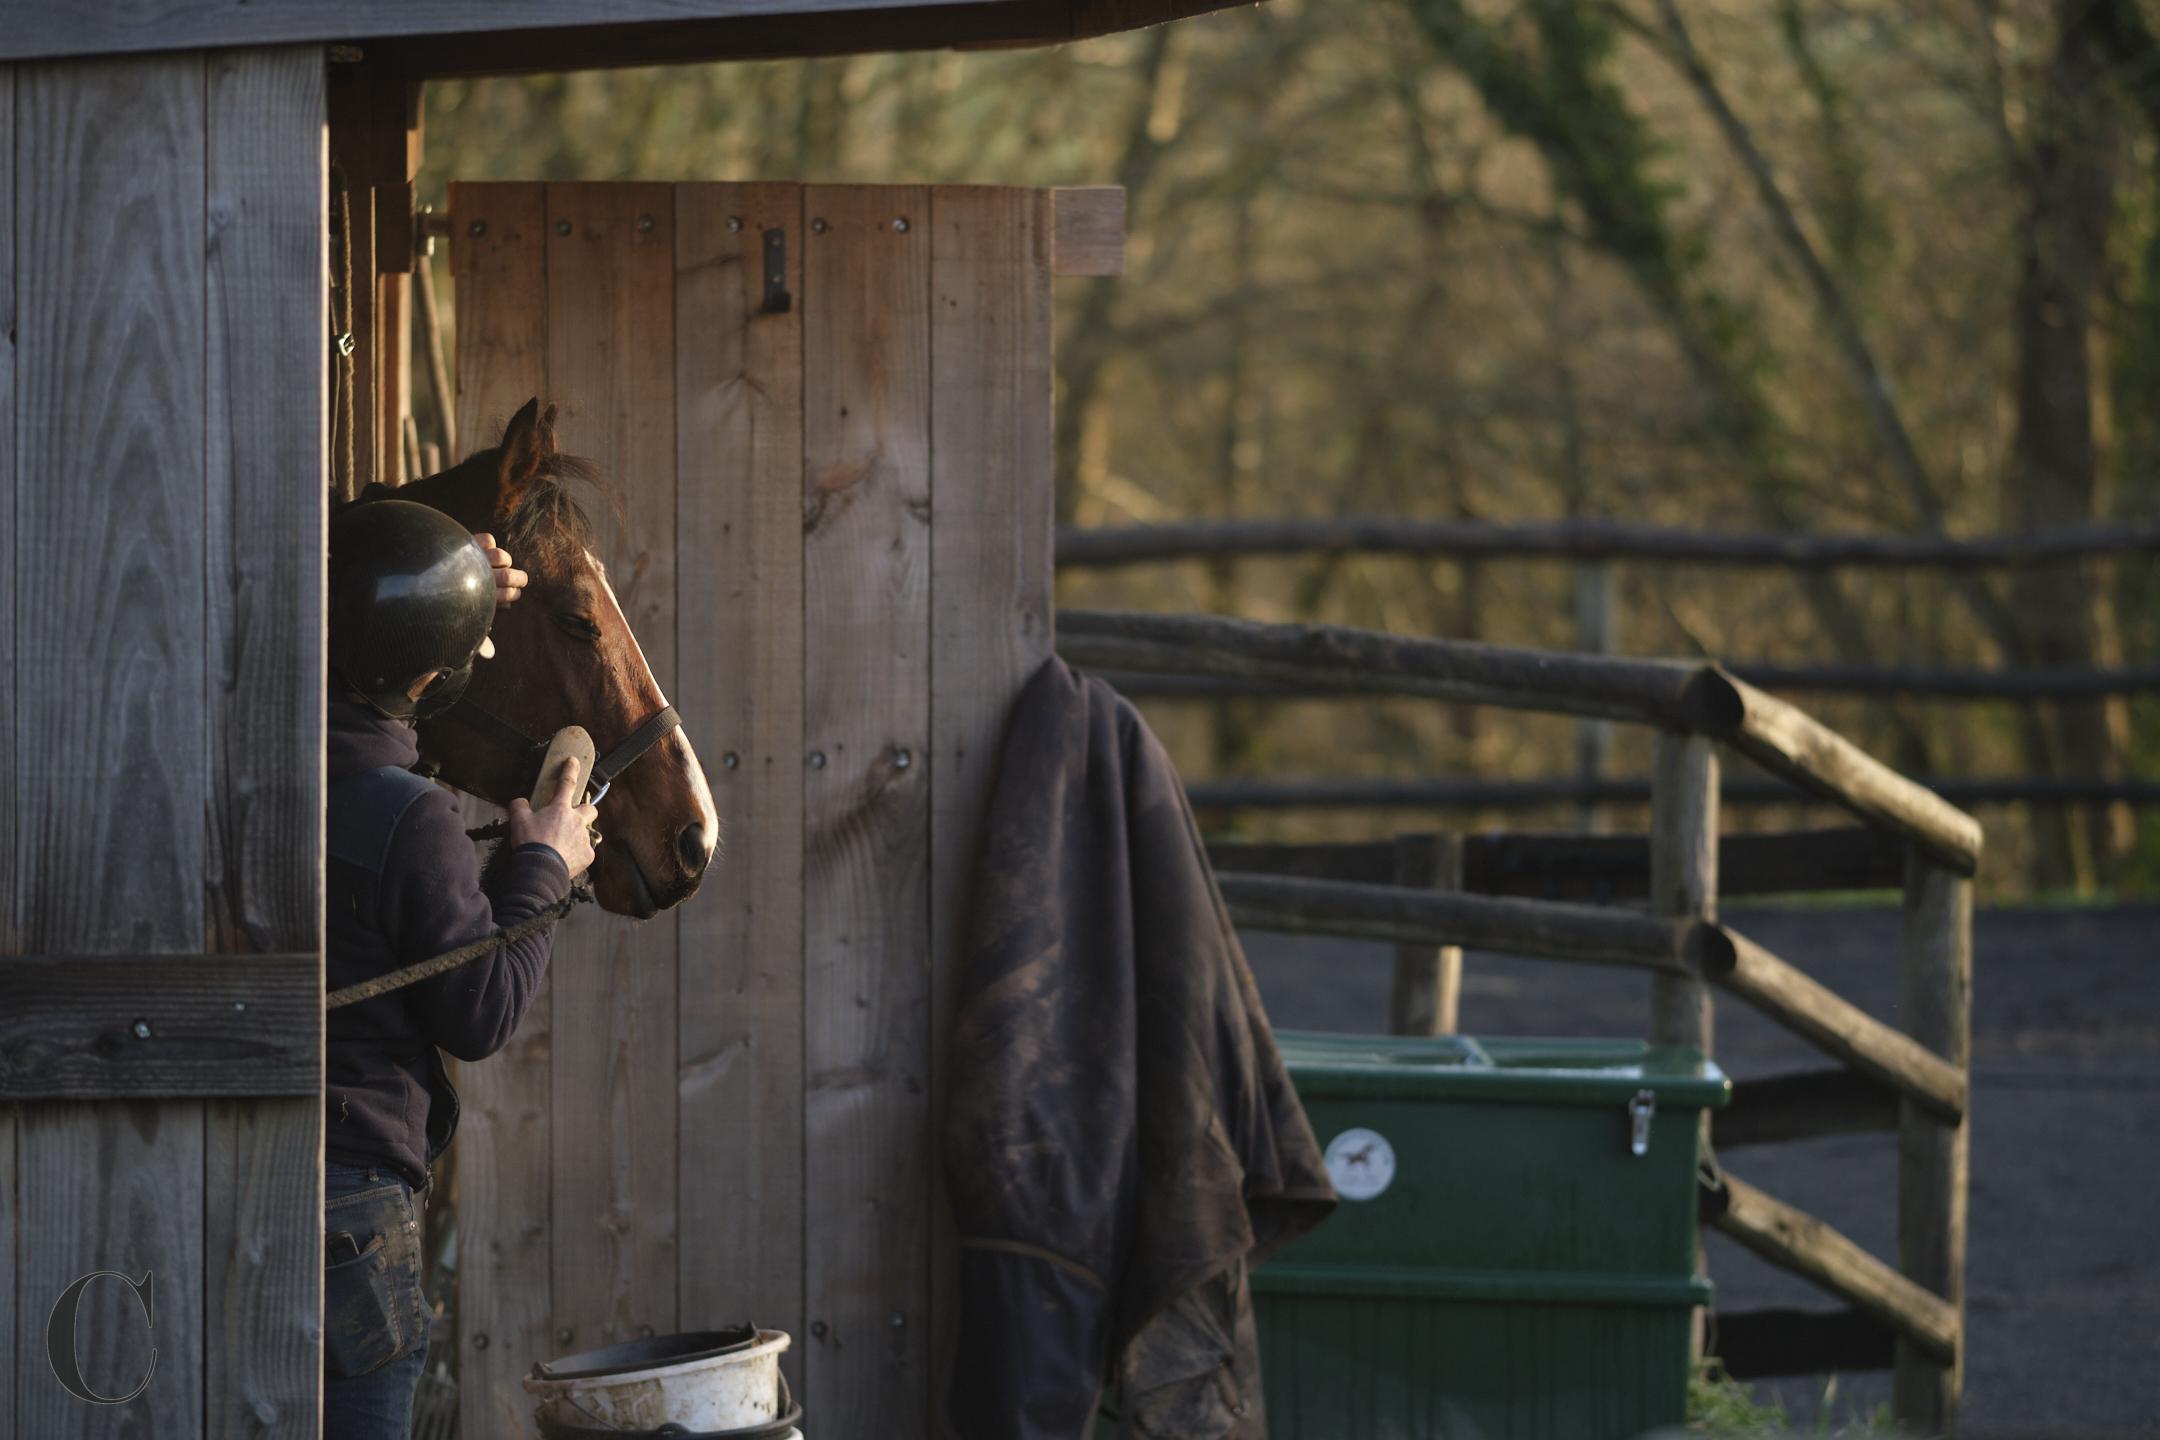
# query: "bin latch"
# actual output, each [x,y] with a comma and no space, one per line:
[1640,1111]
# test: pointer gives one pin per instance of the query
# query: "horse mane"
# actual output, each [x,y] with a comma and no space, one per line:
[548,523]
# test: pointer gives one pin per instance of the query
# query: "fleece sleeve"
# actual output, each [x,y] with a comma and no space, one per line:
[434,899]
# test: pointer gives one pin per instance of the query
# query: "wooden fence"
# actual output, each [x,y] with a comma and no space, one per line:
[1423,894]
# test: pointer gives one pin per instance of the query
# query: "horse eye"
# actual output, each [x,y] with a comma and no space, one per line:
[579,626]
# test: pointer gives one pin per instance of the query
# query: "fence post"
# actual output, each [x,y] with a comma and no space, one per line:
[1428,978]
[1683,882]
[1593,636]
[1932,1153]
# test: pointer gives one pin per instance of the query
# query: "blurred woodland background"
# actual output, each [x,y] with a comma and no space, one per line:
[1812,265]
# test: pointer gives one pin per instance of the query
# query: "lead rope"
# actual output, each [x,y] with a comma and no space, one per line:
[463,955]
[342,458]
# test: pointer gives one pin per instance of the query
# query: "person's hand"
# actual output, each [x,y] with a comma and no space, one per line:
[559,820]
[509,580]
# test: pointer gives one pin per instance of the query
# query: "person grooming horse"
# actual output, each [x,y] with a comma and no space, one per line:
[412,596]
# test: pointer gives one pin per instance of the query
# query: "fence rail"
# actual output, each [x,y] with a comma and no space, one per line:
[1106,547]
[1916,1078]
[1932,682]
[1371,793]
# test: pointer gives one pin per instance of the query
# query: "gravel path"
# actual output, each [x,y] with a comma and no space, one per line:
[2063,1269]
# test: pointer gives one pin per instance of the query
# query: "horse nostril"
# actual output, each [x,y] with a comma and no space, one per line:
[695,849]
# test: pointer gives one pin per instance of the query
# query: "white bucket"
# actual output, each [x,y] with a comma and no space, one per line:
[729,1390]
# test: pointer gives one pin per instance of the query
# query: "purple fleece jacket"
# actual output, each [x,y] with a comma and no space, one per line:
[388,1096]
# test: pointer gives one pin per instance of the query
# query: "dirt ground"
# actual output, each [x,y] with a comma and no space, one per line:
[2063,1270]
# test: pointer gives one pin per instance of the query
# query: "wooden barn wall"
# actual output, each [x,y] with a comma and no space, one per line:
[162,271]
[836,544]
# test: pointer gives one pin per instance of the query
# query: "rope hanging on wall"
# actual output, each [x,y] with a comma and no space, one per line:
[343,484]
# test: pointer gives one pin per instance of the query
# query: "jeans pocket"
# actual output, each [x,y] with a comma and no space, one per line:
[362,1323]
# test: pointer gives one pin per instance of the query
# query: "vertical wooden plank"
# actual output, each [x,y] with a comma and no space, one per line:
[504,1139]
[1683,882]
[1934,1158]
[108,536]
[866,940]
[1428,978]
[611,355]
[990,579]
[265,409]
[738,397]
[10,757]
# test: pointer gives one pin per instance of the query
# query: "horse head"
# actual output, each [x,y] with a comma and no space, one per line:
[565,655]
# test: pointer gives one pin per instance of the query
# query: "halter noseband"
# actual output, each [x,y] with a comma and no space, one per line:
[499,732]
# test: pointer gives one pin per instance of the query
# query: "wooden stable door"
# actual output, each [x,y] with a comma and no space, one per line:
[828,410]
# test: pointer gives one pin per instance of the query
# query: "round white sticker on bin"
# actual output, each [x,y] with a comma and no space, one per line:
[1361,1163]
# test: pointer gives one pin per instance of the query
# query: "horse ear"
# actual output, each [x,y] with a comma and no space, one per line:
[527,441]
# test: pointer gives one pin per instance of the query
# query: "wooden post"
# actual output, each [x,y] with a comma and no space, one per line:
[1428,978]
[1683,884]
[1933,1154]
[1593,636]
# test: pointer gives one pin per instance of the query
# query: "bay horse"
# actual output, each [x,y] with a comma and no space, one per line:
[565,655]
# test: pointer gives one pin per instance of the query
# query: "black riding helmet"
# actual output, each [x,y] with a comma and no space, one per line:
[410,592]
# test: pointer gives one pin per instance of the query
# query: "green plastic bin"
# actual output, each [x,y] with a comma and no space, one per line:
[1514,1257]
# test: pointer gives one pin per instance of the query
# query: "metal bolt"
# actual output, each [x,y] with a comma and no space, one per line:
[730,760]
[645,1332]
[479,1342]
[817,1329]
[142,1029]
[734,224]
[562,1336]
[899,225]
[817,759]
[899,1321]
[901,760]
[562,227]
[817,227]
[239,1005]
[644,224]
[476,229]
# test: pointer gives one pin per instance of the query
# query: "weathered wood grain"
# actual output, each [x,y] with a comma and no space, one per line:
[990,583]
[866,940]
[611,357]
[265,402]
[109,541]
[1814,1012]
[739,437]
[10,757]
[32,30]
[505,1136]
[1935,1153]
[76,1027]
[1794,1240]
[1089,230]
[1683,876]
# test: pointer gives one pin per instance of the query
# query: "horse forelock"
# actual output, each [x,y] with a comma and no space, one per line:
[549,525]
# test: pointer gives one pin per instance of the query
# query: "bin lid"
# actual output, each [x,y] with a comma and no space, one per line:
[1419,1067]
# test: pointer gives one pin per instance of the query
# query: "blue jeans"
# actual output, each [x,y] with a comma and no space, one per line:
[375,1316]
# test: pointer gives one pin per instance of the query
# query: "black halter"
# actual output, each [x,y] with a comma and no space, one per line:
[500,733]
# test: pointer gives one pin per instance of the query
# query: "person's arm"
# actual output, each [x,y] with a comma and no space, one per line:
[435,899]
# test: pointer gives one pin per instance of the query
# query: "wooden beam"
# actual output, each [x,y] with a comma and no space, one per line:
[1588,539]
[1804,1106]
[1360,862]
[1427,990]
[104,1027]
[569,34]
[1684,888]
[1421,793]
[1814,1012]
[1789,743]
[1934,1151]
[1373,662]
[1930,682]
[1797,1241]
[1089,230]
[1591,934]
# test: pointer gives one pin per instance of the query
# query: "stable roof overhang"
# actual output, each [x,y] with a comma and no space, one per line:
[424,38]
